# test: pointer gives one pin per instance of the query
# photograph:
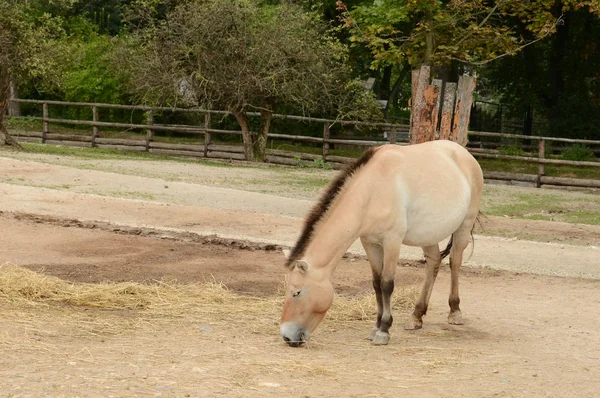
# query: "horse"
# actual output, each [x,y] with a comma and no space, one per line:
[415,195]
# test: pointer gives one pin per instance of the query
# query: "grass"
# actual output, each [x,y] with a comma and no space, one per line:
[534,204]
[551,170]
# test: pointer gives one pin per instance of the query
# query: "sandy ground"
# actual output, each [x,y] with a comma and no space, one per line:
[525,334]
[85,194]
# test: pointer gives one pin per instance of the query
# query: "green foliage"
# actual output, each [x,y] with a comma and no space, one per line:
[579,153]
[471,31]
[90,77]
[513,149]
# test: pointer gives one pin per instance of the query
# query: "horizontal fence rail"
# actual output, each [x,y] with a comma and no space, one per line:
[393,133]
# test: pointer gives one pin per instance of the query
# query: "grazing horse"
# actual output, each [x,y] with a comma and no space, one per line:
[415,195]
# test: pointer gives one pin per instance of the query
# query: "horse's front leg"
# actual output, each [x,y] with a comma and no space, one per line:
[391,252]
[375,256]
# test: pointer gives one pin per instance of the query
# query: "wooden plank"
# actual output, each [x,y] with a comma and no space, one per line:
[289,154]
[68,137]
[536,160]
[179,147]
[326,136]
[149,131]
[393,137]
[462,111]
[418,133]
[174,152]
[573,182]
[120,141]
[499,175]
[340,159]
[226,155]
[45,121]
[95,129]
[436,109]
[541,156]
[447,111]
[17,133]
[37,140]
[226,148]
[360,143]
[414,86]
[207,135]
[533,137]
[77,144]
[141,148]
[211,111]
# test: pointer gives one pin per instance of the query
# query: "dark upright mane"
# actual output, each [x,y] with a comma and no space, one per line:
[318,212]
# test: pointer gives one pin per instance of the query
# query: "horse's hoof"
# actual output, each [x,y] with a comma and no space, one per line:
[372,334]
[380,338]
[455,318]
[413,324]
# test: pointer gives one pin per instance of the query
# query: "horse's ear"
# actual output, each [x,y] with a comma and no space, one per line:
[286,253]
[302,266]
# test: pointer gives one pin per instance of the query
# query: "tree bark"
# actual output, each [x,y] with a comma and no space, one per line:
[260,144]
[5,137]
[242,120]
[14,109]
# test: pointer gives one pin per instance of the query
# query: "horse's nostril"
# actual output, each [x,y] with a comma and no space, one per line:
[301,337]
[286,339]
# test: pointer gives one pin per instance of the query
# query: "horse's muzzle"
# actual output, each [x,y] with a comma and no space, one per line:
[294,336]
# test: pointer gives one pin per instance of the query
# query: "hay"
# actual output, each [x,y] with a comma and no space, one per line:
[211,301]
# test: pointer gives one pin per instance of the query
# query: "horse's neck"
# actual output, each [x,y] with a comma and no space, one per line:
[337,231]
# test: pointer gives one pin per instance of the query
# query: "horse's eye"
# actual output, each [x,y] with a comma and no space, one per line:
[296,294]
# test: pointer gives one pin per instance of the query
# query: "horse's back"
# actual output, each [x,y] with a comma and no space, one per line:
[434,187]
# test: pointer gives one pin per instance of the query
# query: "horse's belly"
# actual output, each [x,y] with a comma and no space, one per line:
[429,226]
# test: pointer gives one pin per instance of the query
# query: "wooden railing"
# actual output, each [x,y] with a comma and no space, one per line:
[396,134]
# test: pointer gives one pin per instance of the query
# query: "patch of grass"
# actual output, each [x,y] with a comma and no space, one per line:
[117,154]
[542,205]
[551,170]
[580,153]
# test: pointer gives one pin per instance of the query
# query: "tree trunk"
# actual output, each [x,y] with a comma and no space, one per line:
[260,144]
[393,99]
[14,109]
[242,120]
[5,137]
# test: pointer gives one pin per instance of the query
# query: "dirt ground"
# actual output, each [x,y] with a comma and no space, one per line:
[525,334]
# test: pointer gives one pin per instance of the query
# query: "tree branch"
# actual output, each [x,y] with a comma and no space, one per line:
[548,33]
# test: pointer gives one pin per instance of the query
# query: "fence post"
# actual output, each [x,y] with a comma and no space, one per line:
[393,135]
[95,130]
[326,136]
[207,135]
[541,156]
[149,131]
[44,122]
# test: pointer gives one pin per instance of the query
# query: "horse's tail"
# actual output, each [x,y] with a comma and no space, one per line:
[444,253]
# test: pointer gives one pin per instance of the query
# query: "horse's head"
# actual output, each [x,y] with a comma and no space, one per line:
[309,295]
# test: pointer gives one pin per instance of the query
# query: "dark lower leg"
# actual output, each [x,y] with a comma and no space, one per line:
[378,295]
[387,288]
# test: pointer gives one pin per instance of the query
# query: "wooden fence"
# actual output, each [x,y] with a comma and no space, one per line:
[395,133]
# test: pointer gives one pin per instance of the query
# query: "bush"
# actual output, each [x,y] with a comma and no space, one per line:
[579,153]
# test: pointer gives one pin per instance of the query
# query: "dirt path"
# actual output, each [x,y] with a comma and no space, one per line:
[267,218]
[525,335]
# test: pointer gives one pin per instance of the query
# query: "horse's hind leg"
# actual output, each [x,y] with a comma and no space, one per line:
[375,256]
[461,241]
[433,259]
